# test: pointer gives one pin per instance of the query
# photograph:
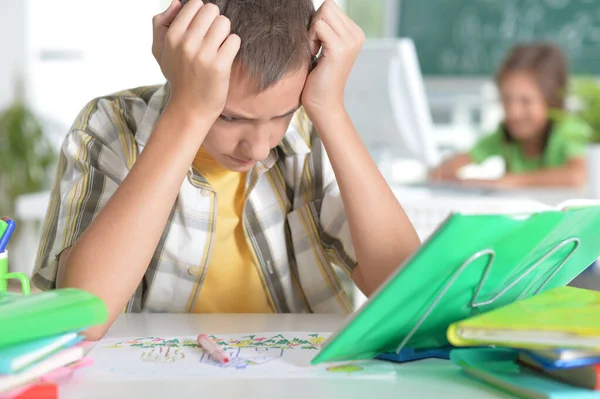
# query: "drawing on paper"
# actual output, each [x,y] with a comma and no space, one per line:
[313,342]
[153,342]
[169,354]
[277,341]
[252,355]
[244,351]
[242,358]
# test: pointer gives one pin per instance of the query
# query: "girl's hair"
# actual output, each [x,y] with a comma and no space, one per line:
[547,65]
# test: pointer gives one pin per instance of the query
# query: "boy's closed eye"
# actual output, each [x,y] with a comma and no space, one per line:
[228,119]
[240,118]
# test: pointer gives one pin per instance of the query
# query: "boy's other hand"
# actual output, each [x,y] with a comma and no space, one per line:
[195,49]
[341,40]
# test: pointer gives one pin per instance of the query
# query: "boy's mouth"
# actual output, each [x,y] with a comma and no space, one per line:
[240,162]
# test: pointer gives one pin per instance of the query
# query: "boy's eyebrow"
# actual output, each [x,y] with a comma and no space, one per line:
[236,115]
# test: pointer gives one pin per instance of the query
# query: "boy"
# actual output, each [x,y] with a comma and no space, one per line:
[214,193]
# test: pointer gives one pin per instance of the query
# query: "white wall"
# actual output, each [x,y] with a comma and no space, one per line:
[12,46]
[81,49]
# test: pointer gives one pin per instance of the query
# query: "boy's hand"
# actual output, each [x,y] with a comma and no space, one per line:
[196,55]
[341,40]
[160,26]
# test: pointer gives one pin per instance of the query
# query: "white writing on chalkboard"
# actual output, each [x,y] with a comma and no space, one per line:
[472,36]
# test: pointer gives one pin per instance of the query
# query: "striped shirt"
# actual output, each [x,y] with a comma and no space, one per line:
[293,217]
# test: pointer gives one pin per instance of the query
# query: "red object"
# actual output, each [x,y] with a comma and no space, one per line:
[40,391]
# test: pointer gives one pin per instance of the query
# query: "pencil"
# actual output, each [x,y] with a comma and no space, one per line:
[212,348]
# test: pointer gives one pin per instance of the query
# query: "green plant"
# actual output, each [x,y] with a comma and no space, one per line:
[26,154]
[587,92]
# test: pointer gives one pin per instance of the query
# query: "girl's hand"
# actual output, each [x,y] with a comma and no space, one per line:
[505,182]
[442,173]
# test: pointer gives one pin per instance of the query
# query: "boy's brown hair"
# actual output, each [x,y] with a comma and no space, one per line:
[546,63]
[274,36]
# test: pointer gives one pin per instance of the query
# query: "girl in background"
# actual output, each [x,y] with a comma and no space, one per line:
[539,143]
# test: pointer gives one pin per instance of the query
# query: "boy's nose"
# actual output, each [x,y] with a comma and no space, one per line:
[257,147]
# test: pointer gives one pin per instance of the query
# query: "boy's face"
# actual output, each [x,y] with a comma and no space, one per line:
[252,124]
[525,108]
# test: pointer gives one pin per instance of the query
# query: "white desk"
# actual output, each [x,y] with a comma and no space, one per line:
[430,379]
[548,196]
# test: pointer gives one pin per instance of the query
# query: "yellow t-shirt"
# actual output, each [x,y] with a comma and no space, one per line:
[232,283]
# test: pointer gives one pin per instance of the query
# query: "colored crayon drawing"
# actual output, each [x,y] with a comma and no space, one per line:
[154,342]
[241,358]
[275,341]
[286,354]
[161,354]
[312,342]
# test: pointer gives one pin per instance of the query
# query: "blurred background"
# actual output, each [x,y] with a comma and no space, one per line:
[421,90]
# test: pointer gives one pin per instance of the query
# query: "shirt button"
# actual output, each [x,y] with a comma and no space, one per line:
[205,192]
[193,271]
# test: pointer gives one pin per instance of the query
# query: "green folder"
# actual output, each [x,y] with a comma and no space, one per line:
[35,316]
[472,264]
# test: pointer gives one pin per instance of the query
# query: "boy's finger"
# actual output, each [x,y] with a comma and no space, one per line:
[343,16]
[315,46]
[352,28]
[185,17]
[325,35]
[314,42]
[329,13]
[229,50]
[166,18]
[217,33]
[203,21]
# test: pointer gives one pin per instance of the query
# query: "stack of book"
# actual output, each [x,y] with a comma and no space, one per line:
[576,367]
[542,347]
[40,338]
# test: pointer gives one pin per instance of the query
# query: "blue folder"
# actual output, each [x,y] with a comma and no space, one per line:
[409,354]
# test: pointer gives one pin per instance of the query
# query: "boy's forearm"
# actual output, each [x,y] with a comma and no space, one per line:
[382,235]
[112,255]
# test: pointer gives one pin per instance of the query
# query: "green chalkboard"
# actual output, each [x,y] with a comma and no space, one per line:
[470,37]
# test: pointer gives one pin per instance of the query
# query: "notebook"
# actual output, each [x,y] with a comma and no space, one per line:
[35,316]
[563,358]
[566,354]
[585,377]
[17,357]
[564,317]
[60,359]
[52,378]
[498,368]
[471,265]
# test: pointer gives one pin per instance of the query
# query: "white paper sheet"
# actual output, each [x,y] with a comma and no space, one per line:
[253,355]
